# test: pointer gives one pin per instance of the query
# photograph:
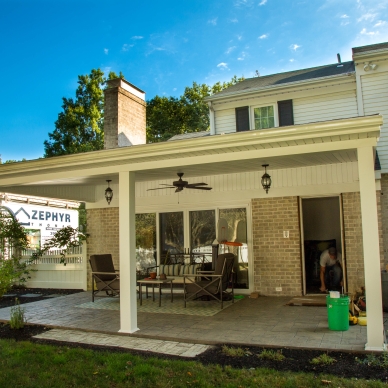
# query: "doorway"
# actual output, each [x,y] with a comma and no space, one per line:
[321,229]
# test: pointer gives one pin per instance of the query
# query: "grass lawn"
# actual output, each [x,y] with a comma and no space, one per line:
[26,364]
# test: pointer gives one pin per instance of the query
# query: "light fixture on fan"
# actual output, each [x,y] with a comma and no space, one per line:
[266,179]
[108,193]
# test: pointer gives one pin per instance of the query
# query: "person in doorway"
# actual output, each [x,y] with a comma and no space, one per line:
[331,270]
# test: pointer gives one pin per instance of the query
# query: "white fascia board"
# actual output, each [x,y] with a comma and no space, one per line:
[280,87]
[135,158]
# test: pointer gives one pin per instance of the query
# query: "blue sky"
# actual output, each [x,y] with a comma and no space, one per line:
[161,47]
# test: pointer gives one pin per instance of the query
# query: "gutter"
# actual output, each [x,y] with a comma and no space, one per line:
[368,125]
[278,87]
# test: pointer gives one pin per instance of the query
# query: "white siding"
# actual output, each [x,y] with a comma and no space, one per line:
[225,121]
[375,98]
[325,107]
[307,109]
[321,175]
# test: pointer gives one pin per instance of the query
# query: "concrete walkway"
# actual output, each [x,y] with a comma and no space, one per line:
[265,321]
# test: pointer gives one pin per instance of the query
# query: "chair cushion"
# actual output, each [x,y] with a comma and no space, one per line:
[103,263]
[170,269]
[189,269]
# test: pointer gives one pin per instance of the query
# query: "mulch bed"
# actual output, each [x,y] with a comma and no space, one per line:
[346,365]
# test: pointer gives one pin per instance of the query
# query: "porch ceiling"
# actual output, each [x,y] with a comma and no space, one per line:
[329,142]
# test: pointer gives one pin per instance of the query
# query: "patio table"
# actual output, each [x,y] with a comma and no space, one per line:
[153,283]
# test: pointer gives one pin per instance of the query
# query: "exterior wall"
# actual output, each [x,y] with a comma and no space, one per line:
[276,260]
[308,107]
[375,100]
[384,215]
[325,107]
[103,234]
[353,239]
[124,117]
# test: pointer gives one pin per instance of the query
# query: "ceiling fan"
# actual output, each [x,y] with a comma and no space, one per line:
[181,184]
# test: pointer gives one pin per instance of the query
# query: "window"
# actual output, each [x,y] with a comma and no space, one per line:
[264,117]
[242,119]
[286,114]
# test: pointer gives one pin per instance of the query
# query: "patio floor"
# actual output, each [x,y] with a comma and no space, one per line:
[264,321]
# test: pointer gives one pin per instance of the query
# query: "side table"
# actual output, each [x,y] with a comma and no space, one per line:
[153,283]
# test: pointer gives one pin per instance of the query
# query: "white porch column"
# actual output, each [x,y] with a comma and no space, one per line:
[370,239]
[127,234]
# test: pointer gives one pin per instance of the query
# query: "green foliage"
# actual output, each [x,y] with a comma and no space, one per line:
[233,352]
[271,355]
[18,318]
[169,116]
[79,127]
[13,240]
[375,360]
[14,161]
[323,359]
[64,239]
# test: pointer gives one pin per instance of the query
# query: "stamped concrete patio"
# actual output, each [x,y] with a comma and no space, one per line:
[264,321]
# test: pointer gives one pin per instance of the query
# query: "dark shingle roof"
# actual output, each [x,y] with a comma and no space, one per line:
[288,77]
[190,135]
[371,47]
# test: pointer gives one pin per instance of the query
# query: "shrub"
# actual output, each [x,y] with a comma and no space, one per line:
[18,318]
[233,352]
[271,355]
[323,359]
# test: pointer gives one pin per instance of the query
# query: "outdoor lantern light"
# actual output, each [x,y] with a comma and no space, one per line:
[266,179]
[108,193]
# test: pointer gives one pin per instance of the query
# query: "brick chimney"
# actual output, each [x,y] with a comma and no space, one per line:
[124,114]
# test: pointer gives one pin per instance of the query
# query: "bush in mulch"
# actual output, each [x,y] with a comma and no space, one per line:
[345,364]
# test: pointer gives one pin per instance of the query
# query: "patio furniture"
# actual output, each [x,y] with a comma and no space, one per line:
[153,282]
[104,276]
[211,283]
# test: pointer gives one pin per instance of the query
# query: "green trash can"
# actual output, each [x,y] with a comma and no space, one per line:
[338,313]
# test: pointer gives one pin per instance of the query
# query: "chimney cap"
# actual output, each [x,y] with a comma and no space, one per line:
[114,83]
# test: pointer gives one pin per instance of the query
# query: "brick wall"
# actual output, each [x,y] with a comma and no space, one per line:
[353,239]
[124,117]
[384,215]
[277,260]
[103,231]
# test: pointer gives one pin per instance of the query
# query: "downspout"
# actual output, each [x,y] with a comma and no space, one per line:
[212,119]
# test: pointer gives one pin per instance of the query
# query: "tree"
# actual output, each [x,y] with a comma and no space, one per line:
[80,127]
[169,116]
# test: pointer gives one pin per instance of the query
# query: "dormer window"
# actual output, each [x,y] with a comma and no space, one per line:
[264,117]
[278,114]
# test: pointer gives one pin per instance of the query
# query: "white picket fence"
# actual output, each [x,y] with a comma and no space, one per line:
[51,273]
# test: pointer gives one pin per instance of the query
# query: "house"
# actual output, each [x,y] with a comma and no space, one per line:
[315,130]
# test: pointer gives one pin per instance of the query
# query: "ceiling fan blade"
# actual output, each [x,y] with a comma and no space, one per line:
[162,188]
[196,184]
[165,184]
[179,189]
[199,188]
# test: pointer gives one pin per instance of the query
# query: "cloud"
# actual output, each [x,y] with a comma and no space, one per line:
[126,46]
[230,49]
[174,89]
[367,17]
[262,2]
[234,20]
[239,37]
[365,32]
[243,3]
[292,60]
[213,21]
[380,23]
[223,66]
[294,47]
[264,36]
[242,56]
[106,51]
[344,16]
[137,37]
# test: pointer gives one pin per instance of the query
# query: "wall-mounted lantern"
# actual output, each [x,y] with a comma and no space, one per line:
[266,179]
[108,193]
